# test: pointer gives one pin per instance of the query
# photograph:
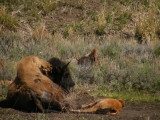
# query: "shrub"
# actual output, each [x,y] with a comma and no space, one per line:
[147,27]
[123,18]
[101,23]
[157,51]
[47,6]
[40,33]
[111,50]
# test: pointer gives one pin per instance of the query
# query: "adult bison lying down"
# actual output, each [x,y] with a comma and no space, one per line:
[40,86]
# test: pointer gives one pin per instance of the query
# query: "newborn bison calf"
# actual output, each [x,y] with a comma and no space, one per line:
[107,106]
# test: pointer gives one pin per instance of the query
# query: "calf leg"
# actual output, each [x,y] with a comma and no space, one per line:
[89,105]
[88,110]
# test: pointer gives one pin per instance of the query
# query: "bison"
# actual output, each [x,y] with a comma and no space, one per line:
[40,86]
[107,106]
[90,58]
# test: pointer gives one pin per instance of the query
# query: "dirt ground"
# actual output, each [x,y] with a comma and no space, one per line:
[131,111]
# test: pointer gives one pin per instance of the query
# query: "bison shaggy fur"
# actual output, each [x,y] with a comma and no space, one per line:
[40,86]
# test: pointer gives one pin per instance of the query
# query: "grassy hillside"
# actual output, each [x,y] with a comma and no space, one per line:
[125,32]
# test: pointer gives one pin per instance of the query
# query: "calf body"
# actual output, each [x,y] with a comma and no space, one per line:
[107,106]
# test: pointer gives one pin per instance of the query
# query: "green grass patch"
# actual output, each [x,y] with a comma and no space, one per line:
[3,92]
[128,95]
[7,20]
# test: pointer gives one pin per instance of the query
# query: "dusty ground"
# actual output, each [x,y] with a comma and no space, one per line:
[132,111]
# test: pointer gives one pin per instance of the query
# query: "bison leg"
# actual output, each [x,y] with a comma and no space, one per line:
[37,102]
[56,107]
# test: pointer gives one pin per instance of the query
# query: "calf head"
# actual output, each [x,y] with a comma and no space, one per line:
[60,74]
[122,102]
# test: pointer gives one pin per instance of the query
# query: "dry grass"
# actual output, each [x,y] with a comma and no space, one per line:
[147,26]
[101,23]
[40,33]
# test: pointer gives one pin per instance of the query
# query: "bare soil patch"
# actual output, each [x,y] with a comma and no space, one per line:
[132,111]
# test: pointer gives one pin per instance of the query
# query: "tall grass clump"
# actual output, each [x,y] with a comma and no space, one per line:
[73,29]
[123,19]
[68,31]
[7,20]
[40,33]
[101,23]
[47,6]
[147,27]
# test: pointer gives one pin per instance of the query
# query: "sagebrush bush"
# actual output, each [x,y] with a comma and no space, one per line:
[157,51]
[123,66]
[112,50]
[138,78]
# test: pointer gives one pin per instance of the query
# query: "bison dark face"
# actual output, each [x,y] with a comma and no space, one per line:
[60,74]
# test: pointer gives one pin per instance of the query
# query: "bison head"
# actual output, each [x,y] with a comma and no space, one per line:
[60,74]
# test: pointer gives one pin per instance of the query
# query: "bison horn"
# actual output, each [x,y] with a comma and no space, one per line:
[66,65]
